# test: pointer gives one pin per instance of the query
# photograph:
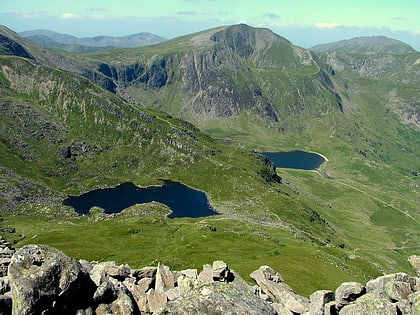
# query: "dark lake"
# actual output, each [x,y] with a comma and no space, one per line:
[182,200]
[296,159]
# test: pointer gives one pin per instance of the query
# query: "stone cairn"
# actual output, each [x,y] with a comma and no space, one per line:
[42,280]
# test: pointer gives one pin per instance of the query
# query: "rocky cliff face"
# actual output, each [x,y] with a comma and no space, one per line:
[42,280]
[220,73]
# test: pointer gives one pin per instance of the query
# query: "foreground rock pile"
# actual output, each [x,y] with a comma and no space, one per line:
[42,280]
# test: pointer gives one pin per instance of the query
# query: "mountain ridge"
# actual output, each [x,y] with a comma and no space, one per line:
[365,44]
[50,39]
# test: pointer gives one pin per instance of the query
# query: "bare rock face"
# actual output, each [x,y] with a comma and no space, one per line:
[348,292]
[218,298]
[44,279]
[273,285]
[415,264]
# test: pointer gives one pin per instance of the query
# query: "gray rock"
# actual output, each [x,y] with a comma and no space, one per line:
[397,290]
[270,282]
[268,273]
[185,283]
[190,273]
[147,272]
[330,308]
[348,292]
[156,300]
[415,264]
[173,293]
[218,298]
[220,271]
[105,293]
[206,276]
[281,309]
[88,311]
[44,279]
[369,304]
[414,300]
[98,273]
[403,307]
[123,305]
[138,294]
[86,265]
[164,279]
[318,299]
[378,286]
[118,272]
[145,284]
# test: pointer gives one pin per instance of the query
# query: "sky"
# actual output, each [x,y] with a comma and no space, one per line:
[303,22]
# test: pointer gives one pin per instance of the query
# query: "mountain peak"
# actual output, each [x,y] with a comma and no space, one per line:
[366,44]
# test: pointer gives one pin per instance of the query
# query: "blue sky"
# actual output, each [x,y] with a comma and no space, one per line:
[303,22]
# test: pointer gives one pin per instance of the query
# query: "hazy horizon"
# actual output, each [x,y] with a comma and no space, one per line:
[305,23]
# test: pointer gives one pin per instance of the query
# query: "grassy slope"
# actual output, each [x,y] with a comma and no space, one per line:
[363,198]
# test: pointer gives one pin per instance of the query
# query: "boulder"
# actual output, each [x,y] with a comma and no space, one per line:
[156,300]
[102,271]
[146,272]
[414,300]
[397,290]
[145,284]
[164,279]
[415,264]
[403,307]
[206,276]
[271,283]
[44,279]
[220,271]
[105,293]
[348,292]
[369,304]
[138,293]
[391,286]
[318,299]
[190,273]
[218,298]
[330,308]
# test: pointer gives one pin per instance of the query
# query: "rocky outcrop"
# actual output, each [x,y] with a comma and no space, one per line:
[42,280]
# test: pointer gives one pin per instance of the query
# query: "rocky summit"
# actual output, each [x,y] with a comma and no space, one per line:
[43,280]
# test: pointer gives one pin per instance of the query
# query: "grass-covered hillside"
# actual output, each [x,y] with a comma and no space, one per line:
[63,134]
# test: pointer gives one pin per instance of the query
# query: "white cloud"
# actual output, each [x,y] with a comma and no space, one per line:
[69,16]
[327,25]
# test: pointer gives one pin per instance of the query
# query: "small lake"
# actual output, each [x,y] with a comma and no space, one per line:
[302,160]
[182,200]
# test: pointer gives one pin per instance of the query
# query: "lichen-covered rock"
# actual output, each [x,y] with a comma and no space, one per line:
[318,299]
[220,270]
[348,292]
[165,279]
[156,300]
[391,286]
[271,283]
[218,298]
[415,264]
[369,304]
[44,279]
[206,275]
[414,300]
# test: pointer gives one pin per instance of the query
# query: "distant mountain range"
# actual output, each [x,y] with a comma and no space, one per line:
[49,39]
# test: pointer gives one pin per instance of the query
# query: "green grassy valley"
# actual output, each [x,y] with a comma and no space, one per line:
[71,123]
